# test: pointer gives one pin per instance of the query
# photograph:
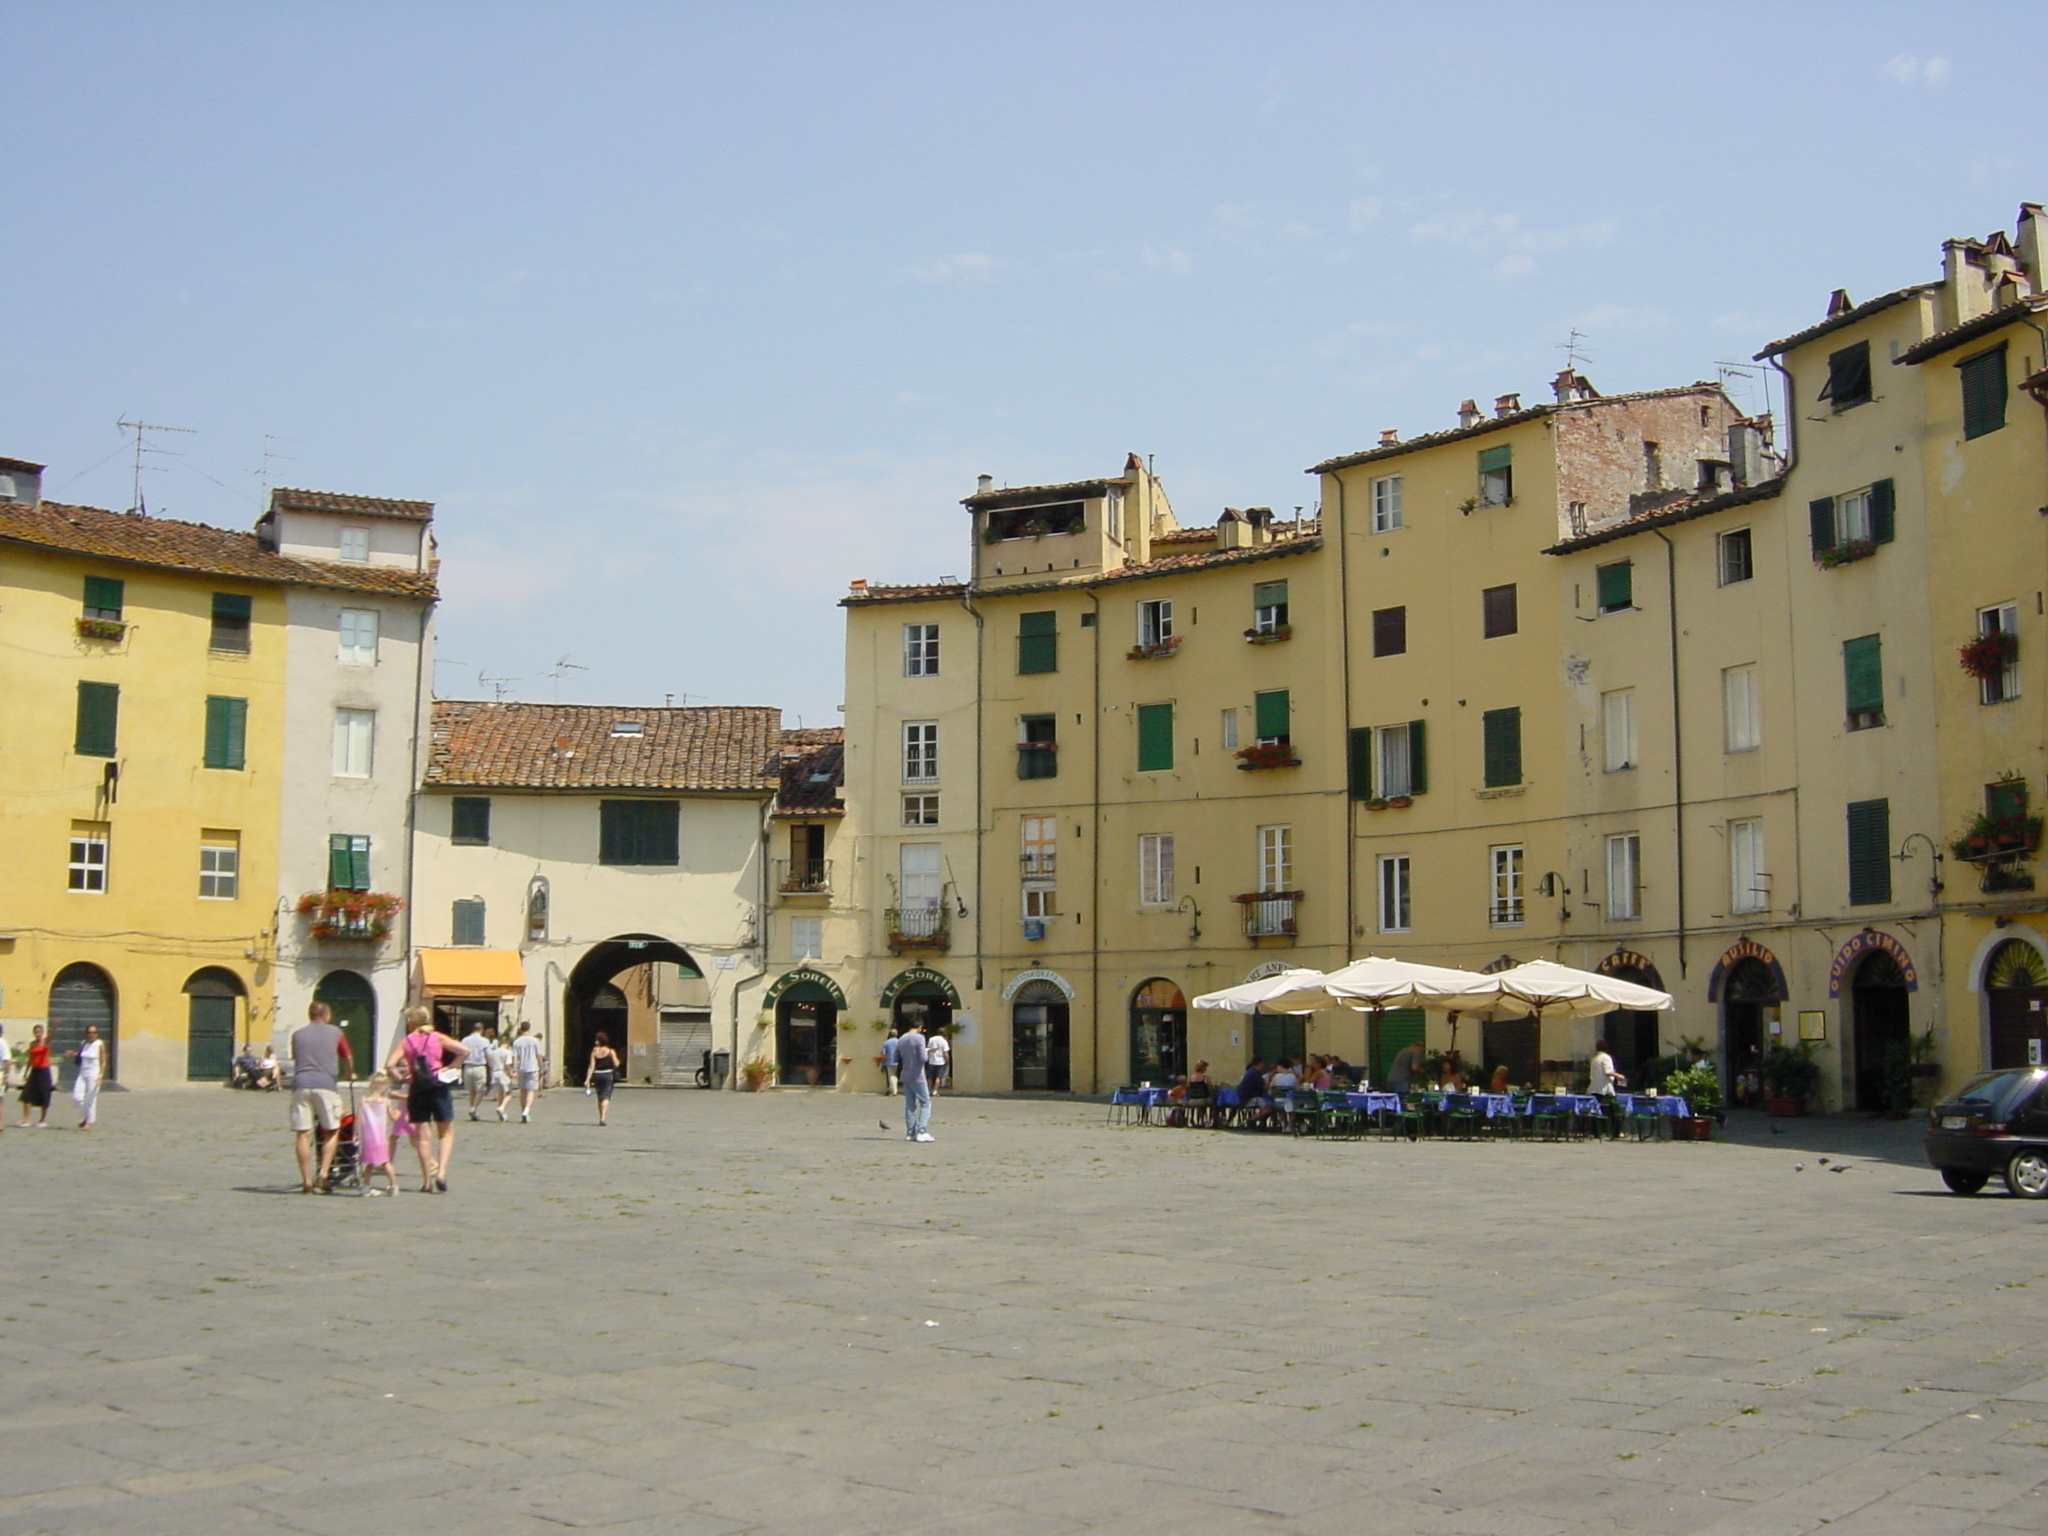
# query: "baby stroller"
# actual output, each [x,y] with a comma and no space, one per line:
[346,1171]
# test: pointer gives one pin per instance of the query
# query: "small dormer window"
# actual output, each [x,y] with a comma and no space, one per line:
[355,545]
[629,728]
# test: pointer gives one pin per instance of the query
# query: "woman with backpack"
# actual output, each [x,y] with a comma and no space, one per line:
[432,1065]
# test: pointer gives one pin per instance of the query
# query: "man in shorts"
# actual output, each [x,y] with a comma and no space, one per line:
[527,1061]
[318,1049]
[476,1066]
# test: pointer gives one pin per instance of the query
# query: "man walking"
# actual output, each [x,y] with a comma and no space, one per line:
[917,1088]
[889,1049]
[527,1060]
[938,1055]
[318,1048]
[476,1066]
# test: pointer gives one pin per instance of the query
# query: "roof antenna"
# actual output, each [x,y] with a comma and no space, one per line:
[564,664]
[499,686]
[262,471]
[138,428]
[1575,357]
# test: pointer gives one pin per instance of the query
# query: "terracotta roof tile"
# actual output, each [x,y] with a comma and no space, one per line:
[813,766]
[1684,509]
[1498,423]
[1166,565]
[579,746]
[285,499]
[166,544]
[1862,311]
[1970,330]
[1027,495]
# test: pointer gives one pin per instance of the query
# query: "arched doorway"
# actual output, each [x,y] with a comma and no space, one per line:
[807,1036]
[1631,1034]
[1881,1025]
[1039,1059]
[211,1018]
[1159,1032]
[82,994]
[352,1003]
[2016,981]
[924,1004]
[588,1008]
[1747,992]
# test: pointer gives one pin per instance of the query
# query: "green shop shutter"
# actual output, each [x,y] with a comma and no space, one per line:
[348,862]
[1271,715]
[1883,501]
[1870,846]
[1984,392]
[99,717]
[227,731]
[104,594]
[1495,458]
[1418,758]
[1617,585]
[1358,761]
[1820,518]
[1503,734]
[1155,737]
[1038,642]
[1863,674]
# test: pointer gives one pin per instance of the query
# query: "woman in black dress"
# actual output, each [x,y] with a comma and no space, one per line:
[602,1075]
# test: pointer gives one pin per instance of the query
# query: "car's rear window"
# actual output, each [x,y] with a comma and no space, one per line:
[1993,1088]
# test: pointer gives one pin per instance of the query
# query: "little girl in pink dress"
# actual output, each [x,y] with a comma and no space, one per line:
[378,1124]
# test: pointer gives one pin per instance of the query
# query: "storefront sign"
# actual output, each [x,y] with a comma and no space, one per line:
[1866,941]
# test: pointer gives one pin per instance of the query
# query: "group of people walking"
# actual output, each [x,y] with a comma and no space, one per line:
[37,1074]
[916,1064]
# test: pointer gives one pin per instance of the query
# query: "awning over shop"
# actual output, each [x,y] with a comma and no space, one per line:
[458,973]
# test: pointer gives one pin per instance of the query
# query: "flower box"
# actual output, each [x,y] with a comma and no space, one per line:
[101,629]
[1986,657]
[1845,554]
[1278,754]
[1157,648]
[1269,636]
[359,915]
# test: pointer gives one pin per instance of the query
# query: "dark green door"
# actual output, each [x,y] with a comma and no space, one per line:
[1393,1032]
[354,1007]
[209,1038]
[1277,1035]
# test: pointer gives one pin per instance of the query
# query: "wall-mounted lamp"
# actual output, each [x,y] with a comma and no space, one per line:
[1934,886]
[1187,904]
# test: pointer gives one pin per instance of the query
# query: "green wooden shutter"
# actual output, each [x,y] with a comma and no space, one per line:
[1984,392]
[1617,585]
[232,612]
[1495,458]
[1820,518]
[1418,759]
[1870,847]
[470,820]
[662,843]
[1358,761]
[1269,594]
[338,862]
[1863,674]
[359,863]
[1038,642]
[1271,715]
[103,596]
[99,718]
[468,924]
[1155,737]
[613,831]
[1503,737]
[227,732]
[1883,501]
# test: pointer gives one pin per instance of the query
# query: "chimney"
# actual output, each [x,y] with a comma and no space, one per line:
[1389,438]
[983,484]
[21,482]
[858,586]
[1838,303]
[1468,413]
[1506,405]
[1261,520]
[1232,531]
[1961,262]
[2030,242]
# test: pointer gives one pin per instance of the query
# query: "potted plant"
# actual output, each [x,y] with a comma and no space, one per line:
[1987,656]
[1924,1070]
[1375,805]
[1268,754]
[1845,554]
[755,1072]
[1790,1075]
[1700,1086]
[1269,636]
[1898,1080]
[1400,802]
[1150,649]
[101,629]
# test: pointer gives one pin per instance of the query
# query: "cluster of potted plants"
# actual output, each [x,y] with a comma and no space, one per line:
[349,914]
[1151,648]
[1790,1076]
[1700,1086]
[1987,656]
[1845,554]
[1992,837]
[101,629]
[1390,803]
[1270,636]
[755,1072]
[1268,754]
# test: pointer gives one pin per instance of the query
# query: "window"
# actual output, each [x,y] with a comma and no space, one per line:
[1748,884]
[227,732]
[1870,848]
[920,650]
[1386,504]
[104,597]
[1496,476]
[1505,909]
[231,619]
[807,935]
[355,732]
[1155,622]
[99,718]
[1618,728]
[1155,737]
[1040,838]
[1272,717]
[1863,681]
[1501,731]
[1155,869]
[1038,747]
[469,818]
[2006,799]
[1848,377]
[1624,876]
[1041,901]
[348,862]
[1616,585]
[1500,615]
[220,866]
[88,870]
[920,810]
[1393,893]
[1390,631]
[920,890]
[1038,642]
[1276,858]
[467,923]
[638,831]
[1737,559]
[1853,522]
[2003,684]
[358,637]
[1741,719]
[355,544]
[1387,761]
[1983,382]
[1269,607]
[1227,730]
[920,751]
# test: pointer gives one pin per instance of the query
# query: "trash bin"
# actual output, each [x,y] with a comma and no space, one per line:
[721,1068]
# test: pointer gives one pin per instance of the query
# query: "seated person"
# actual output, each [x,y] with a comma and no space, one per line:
[1177,1091]
[1284,1079]
[266,1069]
[1450,1076]
[1500,1079]
[246,1063]
[1342,1073]
[1251,1092]
[1317,1074]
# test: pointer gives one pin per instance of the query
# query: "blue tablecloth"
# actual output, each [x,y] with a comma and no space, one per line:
[1663,1104]
[1375,1103]
[1564,1104]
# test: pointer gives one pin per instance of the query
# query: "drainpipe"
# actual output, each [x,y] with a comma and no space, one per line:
[1095,859]
[1343,538]
[980,751]
[422,731]
[1677,736]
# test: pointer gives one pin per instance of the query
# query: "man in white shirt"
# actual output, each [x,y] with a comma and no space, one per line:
[476,1066]
[938,1056]
[1604,1078]
[527,1061]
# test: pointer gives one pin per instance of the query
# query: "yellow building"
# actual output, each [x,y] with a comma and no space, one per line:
[141,746]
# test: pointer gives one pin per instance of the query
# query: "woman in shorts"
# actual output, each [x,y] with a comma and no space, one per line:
[603,1075]
[429,1060]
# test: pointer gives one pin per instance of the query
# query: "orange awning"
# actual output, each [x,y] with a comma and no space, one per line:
[472,973]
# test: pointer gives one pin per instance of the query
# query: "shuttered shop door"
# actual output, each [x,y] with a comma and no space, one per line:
[685,1037]
[80,996]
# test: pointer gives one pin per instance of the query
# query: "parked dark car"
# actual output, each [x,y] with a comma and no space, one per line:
[1997,1124]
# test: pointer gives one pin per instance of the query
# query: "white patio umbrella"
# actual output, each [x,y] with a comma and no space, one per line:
[1548,990]
[1252,996]
[1376,982]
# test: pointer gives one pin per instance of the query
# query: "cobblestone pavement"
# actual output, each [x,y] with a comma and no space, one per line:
[734,1313]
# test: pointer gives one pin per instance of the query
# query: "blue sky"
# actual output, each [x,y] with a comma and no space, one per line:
[687,314]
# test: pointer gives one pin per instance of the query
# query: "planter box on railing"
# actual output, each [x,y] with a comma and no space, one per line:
[1986,657]
[1153,650]
[1276,754]
[362,916]
[101,629]
[1269,636]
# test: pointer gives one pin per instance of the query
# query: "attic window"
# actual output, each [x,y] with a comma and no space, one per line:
[355,545]
[1848,377]
[629,728]
[1034,522]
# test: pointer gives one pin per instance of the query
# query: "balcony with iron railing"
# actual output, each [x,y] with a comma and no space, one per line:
[1040,865]
[918,928]
[803,877]
[1271,914]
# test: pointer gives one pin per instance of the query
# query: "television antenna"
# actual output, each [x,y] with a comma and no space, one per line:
[142,446]
[564,664]
[1575,356]
[262,470]
[499,686]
